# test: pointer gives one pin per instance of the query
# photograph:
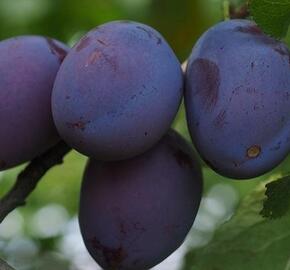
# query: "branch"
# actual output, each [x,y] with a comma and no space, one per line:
[29,178]
[5,266]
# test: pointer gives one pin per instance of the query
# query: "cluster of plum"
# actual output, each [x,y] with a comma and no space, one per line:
[113,97]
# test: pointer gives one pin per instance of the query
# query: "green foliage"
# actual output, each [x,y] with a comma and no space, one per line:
[247,241]
[273,16]
[277,203]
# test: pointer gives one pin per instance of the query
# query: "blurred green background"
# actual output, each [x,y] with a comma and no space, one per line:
[44,234]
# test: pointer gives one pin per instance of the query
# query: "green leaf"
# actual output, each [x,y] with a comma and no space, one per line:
[247,241]
[273,16]
[277,203]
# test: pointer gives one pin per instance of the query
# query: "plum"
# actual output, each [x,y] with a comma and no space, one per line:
[134,213]
[117,92]
[238,99]
[28,67]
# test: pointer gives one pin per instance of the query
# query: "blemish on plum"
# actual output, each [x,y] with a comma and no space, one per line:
[56,49]
[251,90]
[78,125]
[283,118]
[111,61]
[113,256]
[139,227]
[287,95]
[219,121]
[277,146]
[83,43]
[93,58]
[146,134]
[236,164]
[254,151]
[183,159]
[256,107]
[102,42]
[207,76]
[283,51]
[151,34]
[122,229]
[250,29]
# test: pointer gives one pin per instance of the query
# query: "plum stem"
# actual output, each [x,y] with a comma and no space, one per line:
[238,12]
[28,179]
[226,9]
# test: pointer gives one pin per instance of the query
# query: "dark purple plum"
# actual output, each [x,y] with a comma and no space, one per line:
[238,99]
[28,66]
[135,213]
[117,91]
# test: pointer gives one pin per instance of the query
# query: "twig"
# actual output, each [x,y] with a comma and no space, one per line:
[29,178]
[5,266]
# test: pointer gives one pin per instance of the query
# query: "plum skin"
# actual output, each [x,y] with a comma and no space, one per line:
[117,91]
[135,213]
[237,99]
[28,66]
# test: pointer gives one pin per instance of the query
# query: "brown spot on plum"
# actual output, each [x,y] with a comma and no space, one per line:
[250,29]
[183,159]
[3,164]
[254,151]
[55,49]
[207,77]
[83,43]
[93,58]
[78,125]
[219,121]
[113,256]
